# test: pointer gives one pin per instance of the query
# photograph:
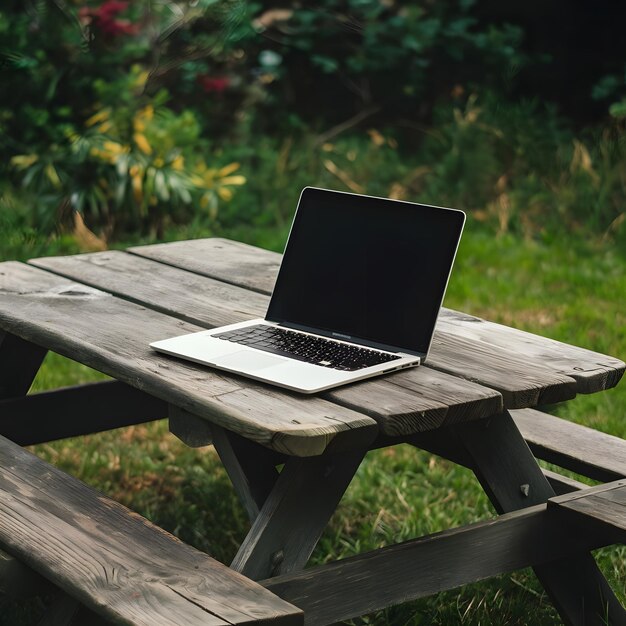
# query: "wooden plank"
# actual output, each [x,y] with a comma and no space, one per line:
[226,260]
[112,336]
[114,561]
[294,515]
[522,382]
[591,371]
[417,401]
[575,447]
[428,565]
[19,363]
[73,411]
[188,296]
[512,479]
[603,506]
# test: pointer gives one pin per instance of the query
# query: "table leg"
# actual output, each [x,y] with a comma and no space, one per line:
[295,514]
[509,473]
[20,361]
[251,468]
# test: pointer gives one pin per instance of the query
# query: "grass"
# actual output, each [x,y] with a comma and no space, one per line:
[566,289]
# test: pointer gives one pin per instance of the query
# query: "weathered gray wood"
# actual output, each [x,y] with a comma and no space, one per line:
[229,261]
[420,401]
[428,565]
[512,479]
[191,430]
[417,400]
[575,447]
[522,382]
[73,411]
[252,469]
[112,336]
[19,363]
[591,371]
[603,507]
[295,513]
[114,561]
[186,295]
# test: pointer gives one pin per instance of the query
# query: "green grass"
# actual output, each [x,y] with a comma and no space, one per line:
[569,290]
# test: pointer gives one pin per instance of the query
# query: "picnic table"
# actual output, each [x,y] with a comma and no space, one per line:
[473,402]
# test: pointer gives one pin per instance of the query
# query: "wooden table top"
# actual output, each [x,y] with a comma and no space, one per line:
[103,309]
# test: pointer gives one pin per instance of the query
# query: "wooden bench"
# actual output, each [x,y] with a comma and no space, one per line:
[602,506]
[115,562]
[574,447]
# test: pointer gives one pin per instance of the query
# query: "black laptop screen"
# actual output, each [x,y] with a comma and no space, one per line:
[366,268]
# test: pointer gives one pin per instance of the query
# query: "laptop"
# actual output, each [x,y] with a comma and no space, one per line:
[357,295]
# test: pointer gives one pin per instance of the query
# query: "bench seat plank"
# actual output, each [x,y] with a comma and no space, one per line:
[572,446]
[404,403]
[219,258]
[114,561]
[112,336]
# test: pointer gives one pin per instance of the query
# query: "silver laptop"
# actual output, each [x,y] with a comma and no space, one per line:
[357,295]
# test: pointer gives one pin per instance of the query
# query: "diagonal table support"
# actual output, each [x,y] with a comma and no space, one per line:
[295,513]
[510,476]
[251,468]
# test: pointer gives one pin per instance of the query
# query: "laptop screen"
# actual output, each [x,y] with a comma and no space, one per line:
[366,268]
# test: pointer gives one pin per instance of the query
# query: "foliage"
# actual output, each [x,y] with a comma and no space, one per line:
[326,61]
[83,133]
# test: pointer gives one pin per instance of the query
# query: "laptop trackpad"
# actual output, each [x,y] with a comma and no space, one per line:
[248,360]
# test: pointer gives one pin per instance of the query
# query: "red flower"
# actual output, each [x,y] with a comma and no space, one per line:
[103,18]
[213,84]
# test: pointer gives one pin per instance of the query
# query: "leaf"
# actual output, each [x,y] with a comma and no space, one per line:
[22,161]
[233,180]
[142,143]
[53,175]
[225,194]
[228,169]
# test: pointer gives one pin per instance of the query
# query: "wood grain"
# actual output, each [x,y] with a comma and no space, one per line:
[114,561]
[591,371]
[404,403]
[226,260]
[112,336]
[428,565]
[186,295]
[572,446]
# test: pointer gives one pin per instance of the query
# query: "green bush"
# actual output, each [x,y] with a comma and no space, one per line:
[82,131]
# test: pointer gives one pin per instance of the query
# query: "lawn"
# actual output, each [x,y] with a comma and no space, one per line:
[571,290]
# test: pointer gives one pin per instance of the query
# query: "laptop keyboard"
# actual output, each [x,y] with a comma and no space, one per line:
[315,350]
